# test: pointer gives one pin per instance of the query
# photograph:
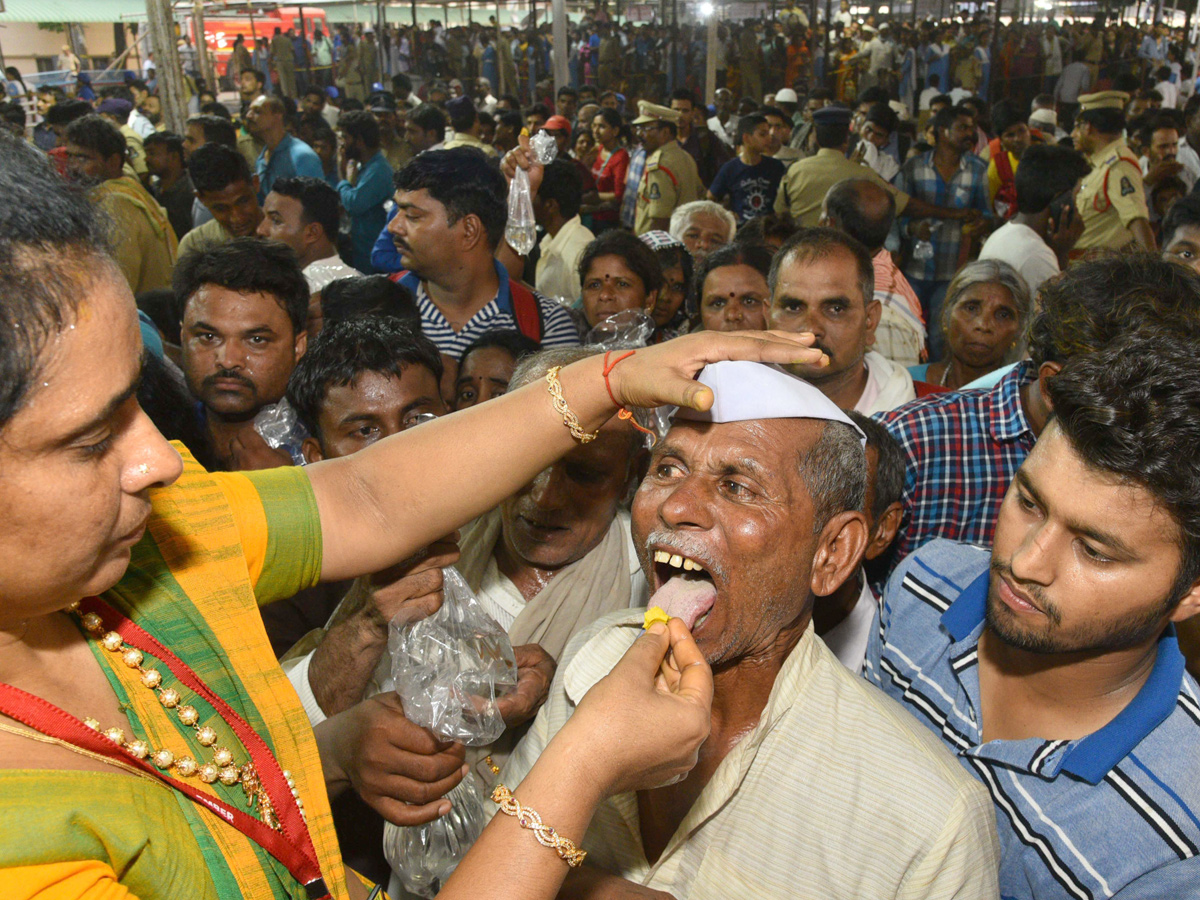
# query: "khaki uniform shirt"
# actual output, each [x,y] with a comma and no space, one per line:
[835,793]
[283,54]
[670,180]
[203,238]
[144,244]
[398,154]
[807,181]
[137,151]
[463,139]
[249,148]
[1110,198]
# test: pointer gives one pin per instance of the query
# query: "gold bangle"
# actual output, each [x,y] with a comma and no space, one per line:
[546,836]
[554,386]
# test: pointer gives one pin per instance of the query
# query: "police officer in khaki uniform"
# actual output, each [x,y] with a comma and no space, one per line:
[671,178]
[1111,199]
[807,181]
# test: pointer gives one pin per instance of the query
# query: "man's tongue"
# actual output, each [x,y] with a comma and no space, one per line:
[685,598]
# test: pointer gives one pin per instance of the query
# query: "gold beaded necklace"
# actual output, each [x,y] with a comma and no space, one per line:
[222,767]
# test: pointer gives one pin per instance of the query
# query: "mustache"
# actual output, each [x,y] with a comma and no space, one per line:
[87,182]
[1004,570]
[824,348]
[686,546]
[228,375]
[536,516]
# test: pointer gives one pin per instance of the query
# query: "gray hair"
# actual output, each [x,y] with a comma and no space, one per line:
[683,215]
[535,366]
[835,472]
[991,271]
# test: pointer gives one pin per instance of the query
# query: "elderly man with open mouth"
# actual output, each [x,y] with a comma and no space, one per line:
[811,782]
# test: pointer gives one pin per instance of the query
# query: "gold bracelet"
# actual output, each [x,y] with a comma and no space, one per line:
[560,406]
[546,836]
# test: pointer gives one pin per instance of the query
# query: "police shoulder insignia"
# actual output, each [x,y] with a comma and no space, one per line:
[1126,186]
[654,192]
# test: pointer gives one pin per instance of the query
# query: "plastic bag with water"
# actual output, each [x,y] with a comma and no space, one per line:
[280,427]
[628,330]
[449,671]
[922,248]
[521,230]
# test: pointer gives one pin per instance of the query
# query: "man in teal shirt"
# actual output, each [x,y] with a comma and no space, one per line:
[282,156]
[366,183]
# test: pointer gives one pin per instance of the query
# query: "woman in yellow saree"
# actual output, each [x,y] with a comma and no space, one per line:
[150,747]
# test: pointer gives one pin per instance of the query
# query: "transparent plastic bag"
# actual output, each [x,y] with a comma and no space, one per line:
[628,329]
[448,670]
[280,427]
[922,248]
[423,857]
[521,230]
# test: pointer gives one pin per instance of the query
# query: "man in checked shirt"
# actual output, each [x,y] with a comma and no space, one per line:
[949,175]
[964,448]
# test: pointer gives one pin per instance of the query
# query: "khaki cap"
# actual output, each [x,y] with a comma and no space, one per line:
[651,112]
[1103,100]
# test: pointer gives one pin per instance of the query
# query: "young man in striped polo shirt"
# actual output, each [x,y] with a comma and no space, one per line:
[451,216]
[1050,665]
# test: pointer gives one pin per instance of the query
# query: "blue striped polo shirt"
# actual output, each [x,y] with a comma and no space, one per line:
[1116,813]
[558,327]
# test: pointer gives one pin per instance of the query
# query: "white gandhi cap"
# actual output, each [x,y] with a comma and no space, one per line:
[743,391]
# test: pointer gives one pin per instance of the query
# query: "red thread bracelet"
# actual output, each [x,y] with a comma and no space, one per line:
[622,412]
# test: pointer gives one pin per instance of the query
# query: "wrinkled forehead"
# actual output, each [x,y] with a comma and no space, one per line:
[767,448]
[608,455]
[815,273]
[707,221]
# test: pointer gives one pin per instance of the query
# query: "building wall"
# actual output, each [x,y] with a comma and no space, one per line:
[23,43]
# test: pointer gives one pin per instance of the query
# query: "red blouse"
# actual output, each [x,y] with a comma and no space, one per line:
[610,179]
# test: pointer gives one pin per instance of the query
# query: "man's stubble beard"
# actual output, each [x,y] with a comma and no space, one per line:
[1130,631]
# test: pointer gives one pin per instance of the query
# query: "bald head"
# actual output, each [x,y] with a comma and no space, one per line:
[273,104]
[863,209]
[266,118]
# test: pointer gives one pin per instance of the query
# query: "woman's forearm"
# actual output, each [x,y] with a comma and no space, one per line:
[385,502]
[507,862]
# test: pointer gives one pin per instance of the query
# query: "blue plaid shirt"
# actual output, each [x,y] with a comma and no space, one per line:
[968,189]
[1113,814]
[962,449]
[633,180]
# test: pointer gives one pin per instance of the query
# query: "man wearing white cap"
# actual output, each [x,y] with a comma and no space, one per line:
[880,54]
[809,783]
[787,100]
[1045,119]
[823,281]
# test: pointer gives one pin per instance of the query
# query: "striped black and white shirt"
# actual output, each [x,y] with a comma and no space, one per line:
[558,328]
[1113,814]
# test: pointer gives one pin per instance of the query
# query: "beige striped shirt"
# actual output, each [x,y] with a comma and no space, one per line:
[836,793]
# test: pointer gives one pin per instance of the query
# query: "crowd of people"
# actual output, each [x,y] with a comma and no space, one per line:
[884,392]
